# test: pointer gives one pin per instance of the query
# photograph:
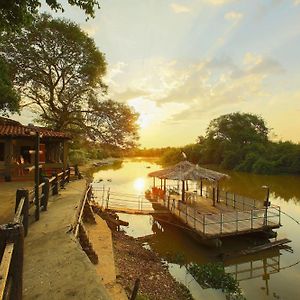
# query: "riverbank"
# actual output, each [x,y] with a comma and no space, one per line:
[134,261]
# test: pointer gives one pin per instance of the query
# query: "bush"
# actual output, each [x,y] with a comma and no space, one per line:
[77,157]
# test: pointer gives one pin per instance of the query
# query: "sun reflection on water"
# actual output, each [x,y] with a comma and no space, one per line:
[139,184]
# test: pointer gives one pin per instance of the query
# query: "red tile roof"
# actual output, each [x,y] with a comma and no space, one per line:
[15,129]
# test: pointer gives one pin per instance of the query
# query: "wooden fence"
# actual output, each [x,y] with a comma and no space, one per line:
[12,234]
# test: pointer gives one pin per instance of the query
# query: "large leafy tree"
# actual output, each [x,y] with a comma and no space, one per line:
[58,70]
[15,14]
[9,98]
[238,128]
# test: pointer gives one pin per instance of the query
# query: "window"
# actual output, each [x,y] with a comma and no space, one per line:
[2,147]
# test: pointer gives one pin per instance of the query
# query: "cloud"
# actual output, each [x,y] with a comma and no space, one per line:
[296,2]
[233,16]
[187,91]
[218,2]
[179,8]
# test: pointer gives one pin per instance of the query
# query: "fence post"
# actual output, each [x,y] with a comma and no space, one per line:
[234,201]
[19,195]
[55,184]
[62,180]
[14,233]
[251,218]
[279,210]
[226,198]
[68,174]
[45,191]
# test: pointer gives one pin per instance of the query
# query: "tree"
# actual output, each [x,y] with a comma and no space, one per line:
[238,128]
[58,71]
[15,14]
[9,98]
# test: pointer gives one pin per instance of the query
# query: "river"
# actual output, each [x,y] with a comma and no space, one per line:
[273,274]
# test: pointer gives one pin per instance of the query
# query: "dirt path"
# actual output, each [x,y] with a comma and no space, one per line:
[55,266]
[134,261]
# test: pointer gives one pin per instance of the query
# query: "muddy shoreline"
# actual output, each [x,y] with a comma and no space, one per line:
[134,261]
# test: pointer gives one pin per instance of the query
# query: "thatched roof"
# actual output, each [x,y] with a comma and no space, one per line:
[185,170]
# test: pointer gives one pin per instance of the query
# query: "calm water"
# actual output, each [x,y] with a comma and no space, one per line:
[273,274]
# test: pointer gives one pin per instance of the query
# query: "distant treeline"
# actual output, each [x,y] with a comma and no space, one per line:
[238,141]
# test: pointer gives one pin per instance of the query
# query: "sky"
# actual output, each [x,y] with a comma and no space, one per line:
[180,64]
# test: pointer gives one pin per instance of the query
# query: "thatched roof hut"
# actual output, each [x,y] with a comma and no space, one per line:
[185,170]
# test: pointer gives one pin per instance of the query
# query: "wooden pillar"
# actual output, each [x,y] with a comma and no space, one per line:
[8,153]
[37,176]
[218,191]
[161,185]
[153,181]
[165,188]
[183,192]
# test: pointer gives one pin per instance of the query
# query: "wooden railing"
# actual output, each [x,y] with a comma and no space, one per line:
[12,234]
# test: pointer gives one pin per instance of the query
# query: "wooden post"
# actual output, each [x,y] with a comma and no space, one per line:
[251,218]
[135,289]
[201,186]
[68,175]
[218,200]
[55,184]
[14,233]
[62,180]
[226,198]
[183,192]
[19,195]
[234,201]
[214,196]
[165,188]
[46,191]
[153,181]
[37,176]
[169,202]
[221,223]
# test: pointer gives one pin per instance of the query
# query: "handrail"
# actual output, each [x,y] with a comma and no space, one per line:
[12,234]
[4,268]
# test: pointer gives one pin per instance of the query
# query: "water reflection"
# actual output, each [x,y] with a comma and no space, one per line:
[139,185]
[273,274]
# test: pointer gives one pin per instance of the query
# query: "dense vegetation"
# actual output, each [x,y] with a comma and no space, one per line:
[239,141]
[14,14]
[58,71]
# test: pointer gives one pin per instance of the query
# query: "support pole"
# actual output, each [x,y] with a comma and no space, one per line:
[201,187]
[37,176]
[183,192]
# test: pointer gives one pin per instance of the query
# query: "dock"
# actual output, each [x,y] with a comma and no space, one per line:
[226,218]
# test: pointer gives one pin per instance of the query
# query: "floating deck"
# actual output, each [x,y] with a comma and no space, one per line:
[223,219]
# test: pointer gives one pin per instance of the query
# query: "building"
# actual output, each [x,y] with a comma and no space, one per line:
[17,149]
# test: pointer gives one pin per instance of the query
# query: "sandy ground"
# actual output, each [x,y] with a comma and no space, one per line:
[100,236]
[8,198]
[134,261]
[55,266]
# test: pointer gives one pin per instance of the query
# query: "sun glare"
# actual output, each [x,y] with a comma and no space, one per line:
[139,184]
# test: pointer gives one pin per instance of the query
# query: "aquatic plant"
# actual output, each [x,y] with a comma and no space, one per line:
[213,275]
